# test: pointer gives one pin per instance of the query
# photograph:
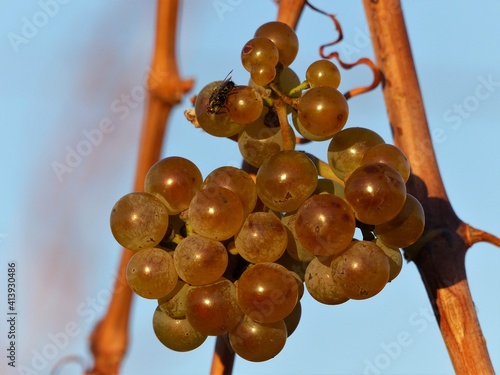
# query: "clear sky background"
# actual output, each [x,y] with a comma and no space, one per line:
[70,74]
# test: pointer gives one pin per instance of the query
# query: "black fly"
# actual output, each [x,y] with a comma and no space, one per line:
[218,98]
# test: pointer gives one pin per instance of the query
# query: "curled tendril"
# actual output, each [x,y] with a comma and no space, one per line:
[377,75]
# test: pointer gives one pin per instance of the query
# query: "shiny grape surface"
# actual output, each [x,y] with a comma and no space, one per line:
[286,180]
[347,149]
[258,50]
[262,238]
[267,292]
[376,192]
[258,342]
[323,111]
[200,260]
[212,309]
[151,273]
[406,228]
[390,155]
[238,181]
[284,37]
[323,73]
[139,221]
[325,224]
[361,271]
[176,334]
[175,181]
[244,105]
[216,213]
[320,283]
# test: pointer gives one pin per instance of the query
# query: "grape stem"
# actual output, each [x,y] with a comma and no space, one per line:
[287,134]
[440,256]
[109,338]
[292,102]
[303,86]
[324,169]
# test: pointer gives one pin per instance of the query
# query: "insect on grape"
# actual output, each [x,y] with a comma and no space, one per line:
[217,100]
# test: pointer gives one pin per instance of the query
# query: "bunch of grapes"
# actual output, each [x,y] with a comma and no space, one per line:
[232,254]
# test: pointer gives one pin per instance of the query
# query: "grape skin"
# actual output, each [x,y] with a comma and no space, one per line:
[175,181]
[262,238]
[176,334]
[361,271]
[323,111]
[216,213]
[325,224]
[139,221]
[267,292]
[376,192]
[286,180]
[284,37]
[151,273]
[258,342]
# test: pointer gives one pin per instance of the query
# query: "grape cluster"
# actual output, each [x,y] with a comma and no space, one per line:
[232,254]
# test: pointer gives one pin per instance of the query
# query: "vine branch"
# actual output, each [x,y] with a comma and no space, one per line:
[109,338]
[441,258]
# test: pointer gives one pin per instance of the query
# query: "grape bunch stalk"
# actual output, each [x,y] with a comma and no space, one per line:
[232,254]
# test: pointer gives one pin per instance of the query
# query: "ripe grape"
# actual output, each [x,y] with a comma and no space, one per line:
[323,73]
[262,73]
[286,180]
[390,155]
[199,260]
[238,181]
[216,213]
[320,283]
[176,334]
[284,37]
[406,227]
[175,181]
[258,342]
[376,192]
[217,124]
[325,224]
[361,271]
[262,238]
[139,221]
[323,111]
[259,50]
[267,292]
[212,309]
[151,273]
[347,148]
[244,105]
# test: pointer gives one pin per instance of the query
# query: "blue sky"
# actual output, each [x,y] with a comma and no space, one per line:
[70,75]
